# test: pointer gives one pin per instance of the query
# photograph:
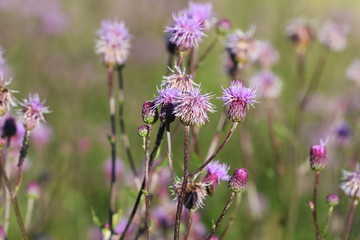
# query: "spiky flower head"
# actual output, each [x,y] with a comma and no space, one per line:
[143,131]
[149,112]
[195,193]
[351,182]
[333,35]
[268,55]
[242,47]
[318,157]
[33,190]
[301,33]
[238,180]
[186,32]
[166,99]
[179,79]
[6,95]
[192,107]
[201,12]
[238,97]
[216,172]
[267,84]
[353,71]
[332,200]
[113,43]
[33,110]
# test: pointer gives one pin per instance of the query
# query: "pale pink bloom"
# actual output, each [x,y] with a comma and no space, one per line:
[333,35]
[353,71]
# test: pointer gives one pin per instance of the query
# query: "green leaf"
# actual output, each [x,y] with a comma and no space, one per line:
[95,218]
[116,218]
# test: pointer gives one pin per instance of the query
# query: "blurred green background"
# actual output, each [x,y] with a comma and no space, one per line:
[54,55]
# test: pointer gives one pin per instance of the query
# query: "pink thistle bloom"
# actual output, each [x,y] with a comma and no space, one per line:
[238,180]
[351,182]
[186,32]
[118,168]
[113,43]
[41,135]
[202,12]
[301,33]
[179,80]
[33,111]
[192,107]
[238,97]
[333,35]
[353,71]
[242,47]
[216,172]
[268,55]
[33,190]
[267,84]
[166,99]
[318,157]
[332,199]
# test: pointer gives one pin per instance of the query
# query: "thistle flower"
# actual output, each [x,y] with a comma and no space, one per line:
[192,107]
[6,95]
[351,182]
[238,97]
[149,113]
[332,200]
[242,47]
[223,26]
[238,180]
[179,80]
[33,190]
[195,193]
[216,172]
[318,158]
[268,55]
[353,71]
[186,32]
[301,33]
[166,99]
[333,35]
[201,12]
[267,84]
[33,111]
[113,43]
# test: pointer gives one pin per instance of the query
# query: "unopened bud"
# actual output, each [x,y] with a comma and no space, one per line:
[238,180]
[33,190]
[149,113]
[332,199]
[223,26]
[143,131]
[318,159]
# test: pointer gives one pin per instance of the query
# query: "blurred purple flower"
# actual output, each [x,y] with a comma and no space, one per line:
[33,111]
[118,168]
[186,32]
[268,55]
[216,172]
[351,182]
[353,71]
[267,84]
[202,12]
[179,79]
[333,35]
[193,107]
[301,33]
[33,190]
[41,135]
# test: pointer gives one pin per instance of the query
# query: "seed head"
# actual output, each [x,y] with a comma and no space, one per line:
[33,111]
[216,172]
[332,200]
[238,180]
[267,84]
[318,158]
[333,35]
[301,33]
[193,107]
[149,113]
[179,80]
[113,43]
[186,32]
[351,182]
[353,71]
[238,97]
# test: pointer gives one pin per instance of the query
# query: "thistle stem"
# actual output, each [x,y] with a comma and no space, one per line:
[159,137]
[112,141]
[147,199]
[22,156]
[329,213]
[232,217]
[123,133]
[169,154]
[314,209]
[189,223]
[235,124]
[350,218]
[222,215]
[169,64]
[184,185]
[30,207]
[220,127]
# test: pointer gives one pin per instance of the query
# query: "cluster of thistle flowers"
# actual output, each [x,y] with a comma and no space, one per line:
[16,133]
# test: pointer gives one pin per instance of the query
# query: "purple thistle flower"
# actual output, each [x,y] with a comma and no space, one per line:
[242,47]
[202,12]
[216,172]
[192,107]
[179,80]
[166,99]
[267,84]
[186,32]
[332,199]
[268,55]
[33,111]
[333,35]
[318,157]
[301,33]
[238,180]
[238,97]
[113,43]
[6,95]
[351,182]
[353,71]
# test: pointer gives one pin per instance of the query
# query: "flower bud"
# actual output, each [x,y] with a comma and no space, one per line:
[237,111]
[149,113]
[238,180]
[223,26]
[318,159]
[311,205]
[9,128]
[143,131]
[332,200]
[33,190]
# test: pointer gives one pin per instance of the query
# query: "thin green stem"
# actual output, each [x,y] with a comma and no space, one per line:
[147,198]
[232,217]
[328,216]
